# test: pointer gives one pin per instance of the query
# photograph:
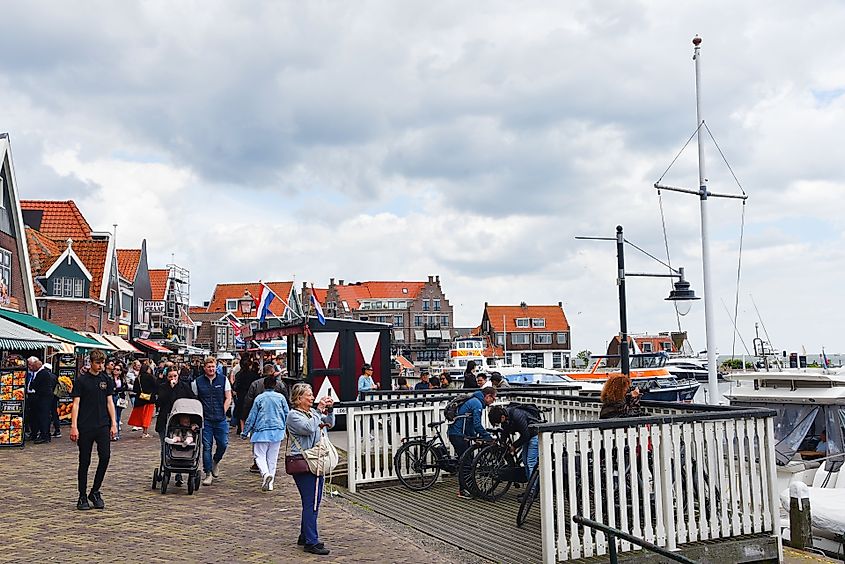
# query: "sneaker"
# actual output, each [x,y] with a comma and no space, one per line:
[57,434]
[301,540]
[82,503]
[318,549]
[265,486]
[272,481]
[136,428]
[172,440]
[97,500]
[214,471]
[254,468]
[208,479]
[178,480]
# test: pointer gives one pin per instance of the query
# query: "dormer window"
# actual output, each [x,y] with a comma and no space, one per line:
[523,322]
[68,290]
[231,305]
[538,322]
[77,287]
[57,287]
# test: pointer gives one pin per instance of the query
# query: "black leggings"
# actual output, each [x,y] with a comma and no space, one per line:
[86,444]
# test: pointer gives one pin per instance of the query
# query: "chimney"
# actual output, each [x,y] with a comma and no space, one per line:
[431,279]
[523,305]
[304,286]
[331,281]
[340,282]
[437,279]
[206,303]
[560,305]
[485,304]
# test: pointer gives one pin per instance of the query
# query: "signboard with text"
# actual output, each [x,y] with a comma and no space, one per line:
[154,306]
[12,398]
[65,370]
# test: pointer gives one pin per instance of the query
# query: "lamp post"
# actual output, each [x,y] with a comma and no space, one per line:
[246,304]
[680,293]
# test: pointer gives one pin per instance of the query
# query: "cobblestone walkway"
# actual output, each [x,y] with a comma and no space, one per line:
[230,521]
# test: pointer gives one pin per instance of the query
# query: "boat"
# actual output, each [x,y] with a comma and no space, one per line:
[648,371]
[476,349]
[521,376]
[810,406]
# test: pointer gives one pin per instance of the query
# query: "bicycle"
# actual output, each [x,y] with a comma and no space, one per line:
[418,461]
[495,469]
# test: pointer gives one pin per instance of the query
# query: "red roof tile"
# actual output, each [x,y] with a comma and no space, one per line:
[127,262]
[44,252]
[93,254]
[60,219]
[235,291]
[197,309]
[354,293]
[158,282]
[554,316]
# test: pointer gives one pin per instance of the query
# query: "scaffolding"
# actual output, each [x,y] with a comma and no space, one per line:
[178,301]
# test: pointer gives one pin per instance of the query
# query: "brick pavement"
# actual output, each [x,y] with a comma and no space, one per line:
[230,521]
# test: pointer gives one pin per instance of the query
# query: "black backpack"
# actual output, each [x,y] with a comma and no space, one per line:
[450,412]
[534,414]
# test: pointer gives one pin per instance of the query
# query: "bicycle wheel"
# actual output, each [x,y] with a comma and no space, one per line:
[491,472]
[528,497]
[465,481]
[416,465]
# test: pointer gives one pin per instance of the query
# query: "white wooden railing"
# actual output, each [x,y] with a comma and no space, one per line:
[671,480]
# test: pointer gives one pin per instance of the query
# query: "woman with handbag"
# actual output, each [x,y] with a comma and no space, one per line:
[142,413]
[119,396]
[305,427]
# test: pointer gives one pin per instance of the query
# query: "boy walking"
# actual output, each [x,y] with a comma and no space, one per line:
[93,421]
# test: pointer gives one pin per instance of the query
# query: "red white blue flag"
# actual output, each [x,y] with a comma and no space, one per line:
[320,317]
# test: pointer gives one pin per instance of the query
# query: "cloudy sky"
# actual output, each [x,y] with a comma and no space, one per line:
[475,140]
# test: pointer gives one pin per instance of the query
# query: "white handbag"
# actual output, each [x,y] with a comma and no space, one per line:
[322,458]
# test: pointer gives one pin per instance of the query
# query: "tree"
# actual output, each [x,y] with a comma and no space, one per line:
[584,356]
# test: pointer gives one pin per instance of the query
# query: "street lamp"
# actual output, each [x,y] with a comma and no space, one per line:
[680,294]
[246,304]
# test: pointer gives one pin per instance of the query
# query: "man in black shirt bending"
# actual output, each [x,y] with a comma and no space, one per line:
[93,421]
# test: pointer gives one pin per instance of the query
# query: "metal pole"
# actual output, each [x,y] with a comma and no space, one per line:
[611,545]
[623,315]
[709,328]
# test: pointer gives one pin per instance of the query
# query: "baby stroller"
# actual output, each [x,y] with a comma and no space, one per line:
[182,457]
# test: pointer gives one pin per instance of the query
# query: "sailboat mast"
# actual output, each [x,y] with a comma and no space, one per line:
[709,326]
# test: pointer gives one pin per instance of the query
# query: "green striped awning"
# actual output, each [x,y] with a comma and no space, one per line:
[14,337]
[52,329]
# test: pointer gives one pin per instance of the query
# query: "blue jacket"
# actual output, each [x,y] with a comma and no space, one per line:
[470,426]
[269,413]
[306,428]
[212,394]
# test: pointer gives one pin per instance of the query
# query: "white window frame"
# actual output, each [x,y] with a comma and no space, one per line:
[78,286]
[435,304]
[667,346]
[425,305]
[538,322]
[520,338]
[647,348]
[542,338]
[5,264]
[398,321]
[557,360]
[500,339]
[444,320]
[58,286]
[67,287]
[523,322]
[561,339]
[231,304]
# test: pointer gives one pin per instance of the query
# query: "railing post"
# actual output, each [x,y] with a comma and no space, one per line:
[614,557]
[774,498]
[351,450]
[547,505]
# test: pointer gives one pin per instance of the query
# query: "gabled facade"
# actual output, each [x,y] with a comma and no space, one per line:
[74,270]
[213,330]
[16,288]
[534,336]
[135,290]
[421,315]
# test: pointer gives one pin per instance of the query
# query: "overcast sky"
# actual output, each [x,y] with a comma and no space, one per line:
[393,140]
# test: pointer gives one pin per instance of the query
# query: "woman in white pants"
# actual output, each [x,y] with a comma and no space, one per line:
[266,427]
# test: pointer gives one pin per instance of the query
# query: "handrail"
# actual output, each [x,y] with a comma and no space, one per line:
[612,533]
[624,422]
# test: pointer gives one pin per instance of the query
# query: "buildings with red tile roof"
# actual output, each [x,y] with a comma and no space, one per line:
[421,315]
[16,289]
[645,343]
[531,335]
[56,219]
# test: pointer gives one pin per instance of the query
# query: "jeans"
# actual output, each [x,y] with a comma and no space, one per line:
[307,483]
[530,454]
[218,431]
[86,444]
[266,457]
[459,443]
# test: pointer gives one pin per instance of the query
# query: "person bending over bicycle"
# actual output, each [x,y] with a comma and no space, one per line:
[464,428]
[518,418]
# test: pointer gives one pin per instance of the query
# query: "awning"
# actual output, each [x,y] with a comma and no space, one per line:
[152,345]
[19,338]
[100,339]
[122,344]
[52,329]
[404,362]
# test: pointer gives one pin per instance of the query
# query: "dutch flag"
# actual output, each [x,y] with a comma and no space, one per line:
[267,297]
[320,317]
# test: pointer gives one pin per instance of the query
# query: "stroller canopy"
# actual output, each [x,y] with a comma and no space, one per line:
[185,406]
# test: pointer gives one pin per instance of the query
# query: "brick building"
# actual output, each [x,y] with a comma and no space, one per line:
[74,268]
[645,343]
[535,336]
[421,315]
[16,289]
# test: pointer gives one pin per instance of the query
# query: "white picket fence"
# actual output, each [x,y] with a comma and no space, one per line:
[669,483]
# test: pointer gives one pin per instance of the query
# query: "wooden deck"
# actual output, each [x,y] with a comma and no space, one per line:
[485,529]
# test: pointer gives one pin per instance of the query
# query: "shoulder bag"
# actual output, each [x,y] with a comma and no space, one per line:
[321,459]
[143,396]
[294,463]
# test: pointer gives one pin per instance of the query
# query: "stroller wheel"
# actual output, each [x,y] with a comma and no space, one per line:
[197,481]
[155,478]
[191,483]
[165,478]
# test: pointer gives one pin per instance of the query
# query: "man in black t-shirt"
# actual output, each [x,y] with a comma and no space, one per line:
[93,421]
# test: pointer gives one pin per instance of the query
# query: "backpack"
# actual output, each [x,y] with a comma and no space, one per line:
[534,414]
[450,412]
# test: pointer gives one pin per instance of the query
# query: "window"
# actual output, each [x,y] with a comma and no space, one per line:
[221,338]
[542,338]
[557,361]
[436,304]
[364,318]
[5,272]
[500,339]
[399,335]
[508,359]
[531,360]
[444,320]
[231,305]
[397,321]
[68,288]
[519,338]
[418,320]
[57,287]
[646,347]
[77,288]
[425,305]
[522,322]
[561,338]
[667,346]
[538,322]
[112,303]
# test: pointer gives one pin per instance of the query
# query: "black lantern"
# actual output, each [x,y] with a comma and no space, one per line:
[246,304]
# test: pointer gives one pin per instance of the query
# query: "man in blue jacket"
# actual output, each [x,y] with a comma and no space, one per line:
[464,428]
[215,393]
